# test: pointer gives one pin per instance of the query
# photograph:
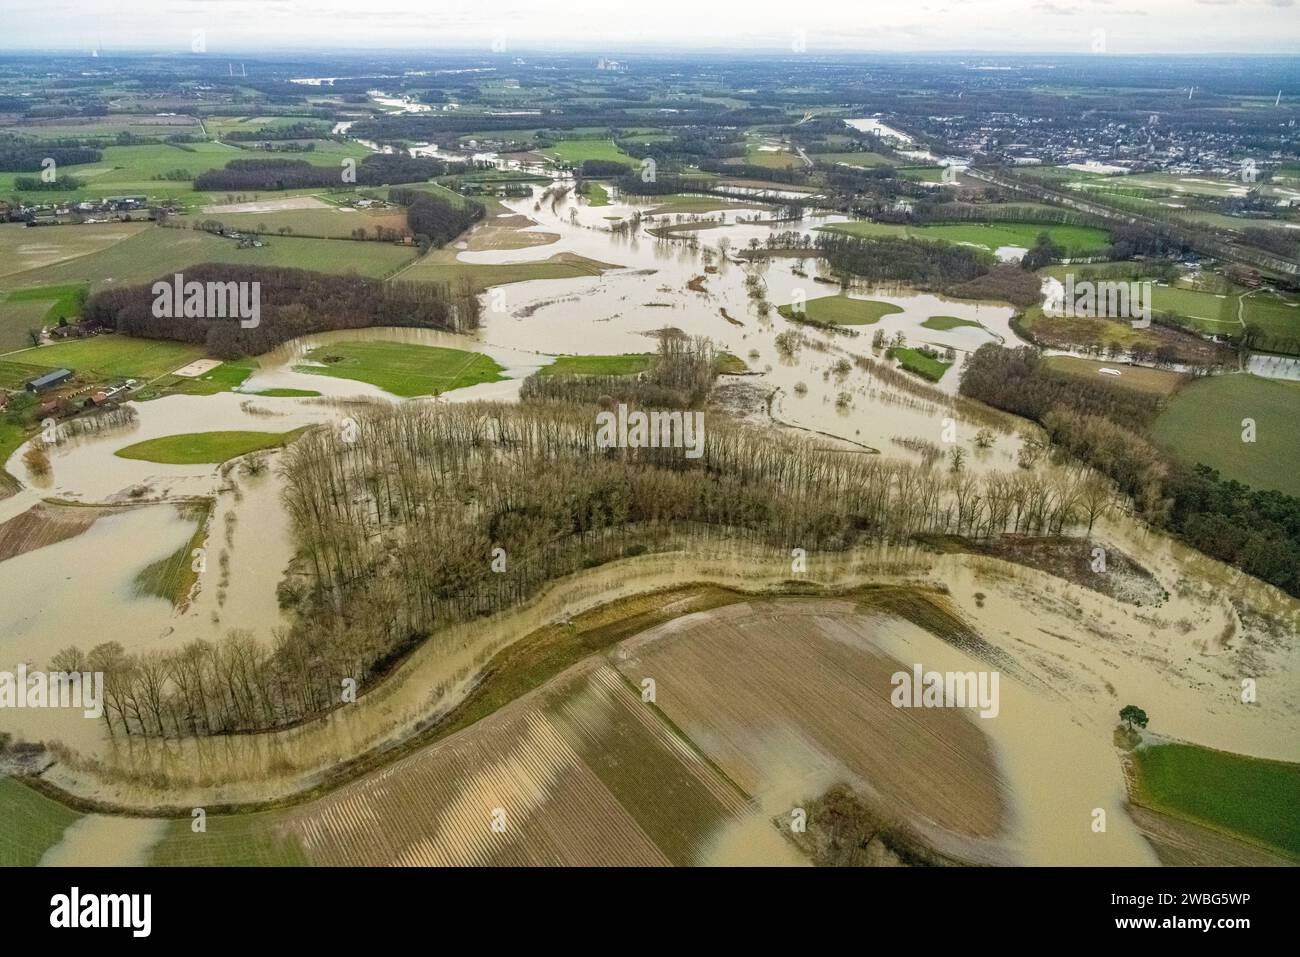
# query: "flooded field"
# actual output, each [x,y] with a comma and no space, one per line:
[580,774]
[1019,787]
[787,734]
[1029,780]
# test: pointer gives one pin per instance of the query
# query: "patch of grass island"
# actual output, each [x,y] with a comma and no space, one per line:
[205,448]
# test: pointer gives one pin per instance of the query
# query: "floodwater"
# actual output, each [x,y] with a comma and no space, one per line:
[82,591]
[97,840]
[1056,770]
[619,312]
[1182,662]
[899,140]
[85,468]
[1079,656]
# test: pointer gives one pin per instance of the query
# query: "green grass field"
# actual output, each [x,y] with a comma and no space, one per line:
[1243,796]
[1203,423]
[628,364]
[440,190]
[1137,378]
[28,249]
[401,368]
[12,435]
[30,824]
[172,577]
[224,378]
[219,126]
[235,840]
[15,375]
[105,127]
[684,203]
[59,302]
[773,159]
[112,356]
[841,311]
[131,170]
[205,448]
[914,360]
[573,152]
[18,320]
[925,174]
[1204,311]
[1075,240]
[944,323]
[287,393]
[1277,314]
[328,223]
[1214,307]
[157,251]
[596,194]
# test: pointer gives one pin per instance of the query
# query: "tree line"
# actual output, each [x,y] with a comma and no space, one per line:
[433,219]
[23,158]
[291,131]
[431,514]
[1255,530]
[293,302]
[266,173]
[680,376]
[886,258]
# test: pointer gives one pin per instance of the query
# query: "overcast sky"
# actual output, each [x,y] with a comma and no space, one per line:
[1122,26]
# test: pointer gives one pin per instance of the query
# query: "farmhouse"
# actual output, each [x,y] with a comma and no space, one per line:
[49,380]
[102,397]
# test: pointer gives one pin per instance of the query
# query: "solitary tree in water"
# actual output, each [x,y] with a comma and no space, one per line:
[1132,714]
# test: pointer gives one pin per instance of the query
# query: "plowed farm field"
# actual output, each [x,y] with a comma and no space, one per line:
[580,773]
[757,707]
[43,525]
[790,697]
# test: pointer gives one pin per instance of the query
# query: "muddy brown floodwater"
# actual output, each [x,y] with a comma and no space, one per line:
[1077,655]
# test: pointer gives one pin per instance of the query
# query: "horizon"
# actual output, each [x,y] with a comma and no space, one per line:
[979,27]
[647,51]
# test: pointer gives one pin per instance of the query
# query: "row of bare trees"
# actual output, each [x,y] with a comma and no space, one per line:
[429,514]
